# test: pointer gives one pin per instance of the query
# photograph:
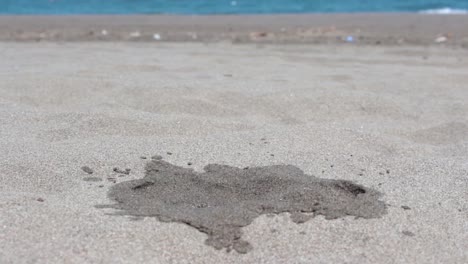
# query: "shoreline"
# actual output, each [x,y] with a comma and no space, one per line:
[349,28]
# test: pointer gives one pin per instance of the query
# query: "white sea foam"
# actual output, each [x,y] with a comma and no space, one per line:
[444,11]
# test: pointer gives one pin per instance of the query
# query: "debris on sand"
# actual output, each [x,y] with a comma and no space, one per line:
[135,34]
[126,171]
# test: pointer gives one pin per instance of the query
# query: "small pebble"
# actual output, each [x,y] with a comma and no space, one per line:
[388,171]
[189,163]
[87,169]
[40,200]
[142,157]
[408,233]
[405,207]
[126,171]
[157,157]
[169,153]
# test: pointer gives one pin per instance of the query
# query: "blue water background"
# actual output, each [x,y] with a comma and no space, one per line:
[222,6]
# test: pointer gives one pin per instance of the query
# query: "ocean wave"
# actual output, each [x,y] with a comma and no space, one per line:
[444,11]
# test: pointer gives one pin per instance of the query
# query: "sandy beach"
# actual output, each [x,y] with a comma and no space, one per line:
[81,115]
[365,28]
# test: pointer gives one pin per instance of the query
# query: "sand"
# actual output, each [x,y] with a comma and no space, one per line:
[364,28]
[390,118]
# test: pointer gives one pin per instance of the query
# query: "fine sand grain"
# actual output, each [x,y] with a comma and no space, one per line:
[388,119]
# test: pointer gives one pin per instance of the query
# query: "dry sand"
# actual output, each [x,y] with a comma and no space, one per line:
[393,119]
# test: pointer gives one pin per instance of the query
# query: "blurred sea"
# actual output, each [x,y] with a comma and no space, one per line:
[228,6]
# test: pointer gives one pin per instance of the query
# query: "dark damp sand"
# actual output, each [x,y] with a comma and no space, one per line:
[365,28]
[223,199]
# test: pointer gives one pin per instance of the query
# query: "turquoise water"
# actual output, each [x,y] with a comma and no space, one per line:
[227,6]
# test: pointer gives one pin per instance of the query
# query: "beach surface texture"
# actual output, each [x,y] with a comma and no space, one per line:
[256,149]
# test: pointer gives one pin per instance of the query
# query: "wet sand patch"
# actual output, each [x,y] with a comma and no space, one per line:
[223,199]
